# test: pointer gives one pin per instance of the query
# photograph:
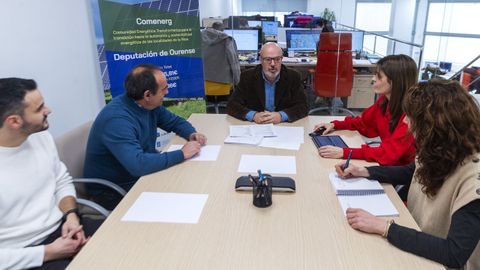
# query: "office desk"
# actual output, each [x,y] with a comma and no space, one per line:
[302,230]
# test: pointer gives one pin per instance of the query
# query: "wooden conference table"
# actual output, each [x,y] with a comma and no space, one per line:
[302,230]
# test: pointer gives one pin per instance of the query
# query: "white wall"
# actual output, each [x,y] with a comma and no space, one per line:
[215,8]
[344,9]
[52,42]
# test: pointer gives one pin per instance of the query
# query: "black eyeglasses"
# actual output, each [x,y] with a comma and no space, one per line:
[270,59]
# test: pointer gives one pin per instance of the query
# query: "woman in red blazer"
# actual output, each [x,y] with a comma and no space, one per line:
[395,74]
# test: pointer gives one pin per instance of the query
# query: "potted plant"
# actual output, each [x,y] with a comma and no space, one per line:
[328,15]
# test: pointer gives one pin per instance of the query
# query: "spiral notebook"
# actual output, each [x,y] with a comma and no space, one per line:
[362,193]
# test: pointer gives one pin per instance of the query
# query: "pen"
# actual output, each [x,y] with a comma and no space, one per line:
[253,180]
[348,160]
[260,175]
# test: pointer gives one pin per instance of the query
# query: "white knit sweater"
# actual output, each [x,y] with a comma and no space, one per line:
[32,182]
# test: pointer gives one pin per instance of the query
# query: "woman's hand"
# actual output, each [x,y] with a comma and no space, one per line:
[352,171]
[363,221]
[329,127]
[329,151]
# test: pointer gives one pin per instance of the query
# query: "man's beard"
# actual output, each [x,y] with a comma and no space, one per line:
[272,74]
[29,128]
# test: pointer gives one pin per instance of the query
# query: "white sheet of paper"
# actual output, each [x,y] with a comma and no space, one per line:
[279,145]
[295,134]
[252,130]
[265,130]
[166,207]
[240,131]
[378,205]
[207,153]
[289,138]
[252,140]
[268,164]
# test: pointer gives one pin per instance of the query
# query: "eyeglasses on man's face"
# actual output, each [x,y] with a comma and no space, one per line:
[270,59]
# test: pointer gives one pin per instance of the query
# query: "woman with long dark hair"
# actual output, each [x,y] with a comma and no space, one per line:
[394,76]
[444,195]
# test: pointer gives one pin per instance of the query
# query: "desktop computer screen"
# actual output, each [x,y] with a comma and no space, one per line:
[270,28]
[302,40]
[357,39]
[248,40]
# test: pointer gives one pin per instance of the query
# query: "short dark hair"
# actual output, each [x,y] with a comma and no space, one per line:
[12,95]
[218,26]
[141,79]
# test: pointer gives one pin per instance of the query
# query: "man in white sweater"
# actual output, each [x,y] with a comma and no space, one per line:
[39,221]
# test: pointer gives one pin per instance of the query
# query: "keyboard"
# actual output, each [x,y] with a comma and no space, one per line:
[290,60]
[361,62]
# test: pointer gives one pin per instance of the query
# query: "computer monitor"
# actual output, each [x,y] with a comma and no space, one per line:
[254,24]
[248,40]
[282,35]
[357,39]
[270,28]
[305,40]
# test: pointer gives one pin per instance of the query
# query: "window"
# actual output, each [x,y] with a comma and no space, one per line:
[375,44]
[451,33]
[379,24]
[453,18]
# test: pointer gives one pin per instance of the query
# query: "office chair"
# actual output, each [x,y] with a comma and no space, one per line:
[333,75]
[71,150]
[215,90]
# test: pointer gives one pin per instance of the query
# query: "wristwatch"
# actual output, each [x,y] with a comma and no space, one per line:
[387,227]
[73,210]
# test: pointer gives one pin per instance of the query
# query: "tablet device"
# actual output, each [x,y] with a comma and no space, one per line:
[333,140]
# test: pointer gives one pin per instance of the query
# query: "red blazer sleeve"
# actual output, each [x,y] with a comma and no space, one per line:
[395,150]
[364,123]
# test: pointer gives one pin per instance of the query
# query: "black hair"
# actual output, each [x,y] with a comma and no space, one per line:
[140,79]
[12,95]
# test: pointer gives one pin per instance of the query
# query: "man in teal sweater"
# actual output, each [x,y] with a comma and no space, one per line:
[121,144]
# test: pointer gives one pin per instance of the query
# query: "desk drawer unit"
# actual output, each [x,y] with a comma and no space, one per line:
[362,92]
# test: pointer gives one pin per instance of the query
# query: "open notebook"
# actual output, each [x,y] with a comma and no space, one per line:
[362,193]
